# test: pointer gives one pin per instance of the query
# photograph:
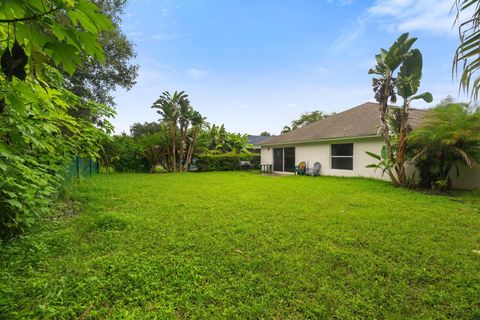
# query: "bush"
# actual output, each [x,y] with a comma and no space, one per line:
[124,154]
[226,162]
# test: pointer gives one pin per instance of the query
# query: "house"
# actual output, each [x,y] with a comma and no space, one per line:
[255,142]
[340,143]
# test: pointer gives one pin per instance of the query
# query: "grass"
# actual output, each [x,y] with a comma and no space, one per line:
[241,245]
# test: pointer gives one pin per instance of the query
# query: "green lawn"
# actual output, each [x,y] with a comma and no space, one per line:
[241,245]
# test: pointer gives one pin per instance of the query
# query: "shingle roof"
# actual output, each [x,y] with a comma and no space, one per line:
[359,121]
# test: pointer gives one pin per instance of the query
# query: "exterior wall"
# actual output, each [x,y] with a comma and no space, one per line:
[266,155]
[320,151]
[467,178]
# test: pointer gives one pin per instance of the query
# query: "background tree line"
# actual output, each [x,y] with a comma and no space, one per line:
[170,143]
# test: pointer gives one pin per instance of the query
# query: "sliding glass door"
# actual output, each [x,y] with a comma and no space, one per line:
[278,159]
[284,159]
[289,159]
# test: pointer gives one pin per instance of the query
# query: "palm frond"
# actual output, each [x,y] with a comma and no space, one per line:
[467,54]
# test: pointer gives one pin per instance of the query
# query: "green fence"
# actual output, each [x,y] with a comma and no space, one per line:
[83,167]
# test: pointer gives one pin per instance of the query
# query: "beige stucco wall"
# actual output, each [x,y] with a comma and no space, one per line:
[320,151]
[266,155]
[467,178]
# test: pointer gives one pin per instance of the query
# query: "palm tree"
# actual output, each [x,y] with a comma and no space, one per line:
[286,129]
[197,122]
[449,136]
[169,108]
[468,51]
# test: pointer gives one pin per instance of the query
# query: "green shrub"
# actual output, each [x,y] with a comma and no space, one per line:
[124,154]
[226,162]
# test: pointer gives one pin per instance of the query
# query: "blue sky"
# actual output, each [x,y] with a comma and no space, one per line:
[256,65]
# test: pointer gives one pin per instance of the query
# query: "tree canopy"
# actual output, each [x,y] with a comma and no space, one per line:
[94,80]
[306,118]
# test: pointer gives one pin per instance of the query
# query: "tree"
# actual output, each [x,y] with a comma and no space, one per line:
[168,107]
[138,130]
[38,134]
[394,126]
[215,139]
[450,135]
[94,80]
[468,53]
[265,134]
[307,118]
[155,146]
[184,125]
[286,129]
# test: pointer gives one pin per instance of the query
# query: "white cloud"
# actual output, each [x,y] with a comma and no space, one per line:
[432,16]
[196,74]
[348,35]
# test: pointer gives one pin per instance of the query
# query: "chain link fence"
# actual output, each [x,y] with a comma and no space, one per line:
[83,167]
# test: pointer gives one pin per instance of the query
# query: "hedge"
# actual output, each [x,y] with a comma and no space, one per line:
[226,162]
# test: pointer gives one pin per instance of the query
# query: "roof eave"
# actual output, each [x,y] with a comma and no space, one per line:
[320,140]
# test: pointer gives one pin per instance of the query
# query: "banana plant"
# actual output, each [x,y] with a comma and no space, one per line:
[386,85]
[408,83]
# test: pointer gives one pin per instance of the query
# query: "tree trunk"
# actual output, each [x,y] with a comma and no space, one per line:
[402,145]
[190,149]
[174,138]
[384,128]
[182,151]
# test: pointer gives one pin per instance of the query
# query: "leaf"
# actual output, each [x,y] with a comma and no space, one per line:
[383,152]
[426,96]
[373,155]
[395,55]
[63,54]
[13,203]
[410,74]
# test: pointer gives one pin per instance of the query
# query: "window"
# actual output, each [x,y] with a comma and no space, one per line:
[342,156]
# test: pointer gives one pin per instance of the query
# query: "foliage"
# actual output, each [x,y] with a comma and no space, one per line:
[241,246]
[38,134]
[306,118]
[286,129]
[449,136]
[124,154]
[226,161]
[155,147]
[184,125]
[94,80]
[467,53]
[138,130]
[216,139]
[265,134]
[384,162]
[394,126]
